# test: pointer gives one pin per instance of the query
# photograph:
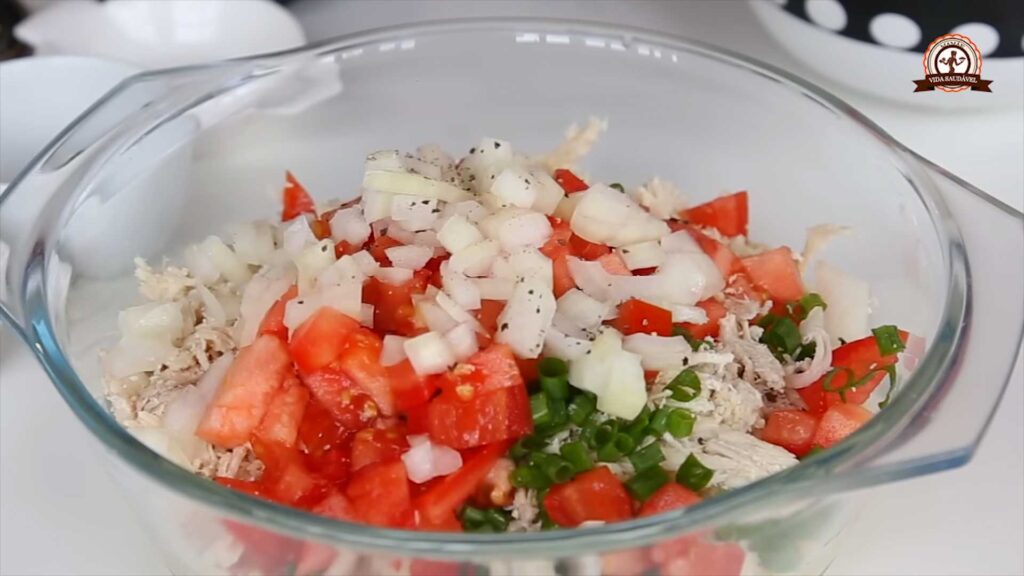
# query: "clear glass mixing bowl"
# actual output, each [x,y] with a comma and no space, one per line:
[171,156]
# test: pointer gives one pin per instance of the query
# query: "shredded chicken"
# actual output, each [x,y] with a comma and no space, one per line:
[525,513]
[760,367]
[661,197]
[576,145]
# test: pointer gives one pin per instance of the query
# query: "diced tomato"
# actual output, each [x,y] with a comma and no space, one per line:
[715,311]
[853,359]
[776,272]
[422,567]
[593,495]
[698,555]
[361,362]
[727,214]
[393,310]
[497,366]
[246,486]
[380,494]
[639,317]
[557,248]
[379,246]
[296,200]
[409,389]
[839,422]
[569,182]
[256,374]
[264,552]
[790,429]
[321,228]
[316,558]
[585,249]
[724,258]
[337,392]
[285,478]
[740,286]
[273,321]
[668,497]
[326,445]
[496,488]
[344,248]
[614,264]
[321,339]
[487,315]
[374,445]
[444,499]
[481,418]
[281,422]
[529,368]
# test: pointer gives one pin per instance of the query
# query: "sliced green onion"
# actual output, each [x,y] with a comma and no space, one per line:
[781,335]
[540,410]
[490,520]
[581,407]
[659,422]
[554,377]
[556,468]
[685,387]
[814,450]
[624,443]
[637,428]
[646,457]
[524,446]
[680,423]
[528,477]
[576,453]
[647,482]
[605,433]
[809,302]
[694,343]
[497,519]
[473,518]
[693,474]
[609,452]
[888,339]
[807,350]
[617,186]
[891,369]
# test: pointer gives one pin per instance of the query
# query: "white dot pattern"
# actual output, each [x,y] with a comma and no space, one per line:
[895,30]
[826,13]
[985,36]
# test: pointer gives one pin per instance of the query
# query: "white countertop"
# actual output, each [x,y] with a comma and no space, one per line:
[61,513]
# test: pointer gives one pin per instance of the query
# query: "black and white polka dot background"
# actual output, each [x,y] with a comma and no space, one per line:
[996,26]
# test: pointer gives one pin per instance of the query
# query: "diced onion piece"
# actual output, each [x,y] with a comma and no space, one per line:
[227,263]
[812,329]
[401,234]
[213,312]
[493,223]
[434,154]
[409,257]
[376,205]
[412,185]
[417,166]
[429,353]
[366,262]
[458,233]
[689,314]
[565,347]
[163,320]
[297,236]
[531,229]
[684,278]
[494,288]
[453,309]
[607,216]
[589,372]
[567,206]
[312,262]
[582,310]
[471,209]
[420,212]
[680,242]
[348,225]
[591,278]
[433,316]
[137,354]
[462,340]
[253,242]
[625,395]
[428,238]
[658,352]
[848,299]
[514,187]
[186,410]
[425,460]
[200,265]
[530,264]
[387,160]
[475,260]
[486,161]
[345,298]
[548,193]
[345,269]
[642,255]
[259,295]
[526,318]
[392,351]
[394,276]
[463,291]
[366,315]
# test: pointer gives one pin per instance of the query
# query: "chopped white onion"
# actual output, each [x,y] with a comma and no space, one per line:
[366,315]
[394,276]
[462,340]
[392,351]
[253,242]
[422,212]
[213,312]
[565,347]
[184,413]
[848,299]
[567,206]
[158,319]
[429,353]
[425,460]
[297,236]
[613,374]
[475,260]
[413,185]
[525,230]
[642,255]
[227,263]
[591,278]
[200,265]
[458,233]
[548,193]
[453,309]
[658,352]
[513,187]
[388,160]
[485,162]
[259,295]
[433,316]
[812,329]
[582,310]
[494,288]
[411,257]
[462,290]
[689,314]
[349,225]
[530,264]
[680,242]
[137,354]
[607,216]
[401,234]
[526,318]
[345,269]
[366,262]
[312,262]
[493,223]
[376,205]
[471,209]
[418,166]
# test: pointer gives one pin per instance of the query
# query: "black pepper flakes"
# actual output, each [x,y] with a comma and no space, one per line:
[538,309]
[530,291]
[497,145]
[504,326]
[472,150]
[435,211]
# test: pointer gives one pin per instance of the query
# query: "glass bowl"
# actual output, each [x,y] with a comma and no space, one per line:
[171,156]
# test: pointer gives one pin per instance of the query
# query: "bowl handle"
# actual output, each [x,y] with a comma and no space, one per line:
[947,428]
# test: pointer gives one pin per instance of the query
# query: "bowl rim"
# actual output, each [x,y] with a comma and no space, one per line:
[822,474]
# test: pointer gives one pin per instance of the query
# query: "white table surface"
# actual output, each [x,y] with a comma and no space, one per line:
[61,514]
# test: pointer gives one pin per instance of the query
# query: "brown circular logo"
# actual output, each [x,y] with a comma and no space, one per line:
[952,63]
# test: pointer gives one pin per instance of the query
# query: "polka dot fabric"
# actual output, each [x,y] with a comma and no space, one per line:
[912,24]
